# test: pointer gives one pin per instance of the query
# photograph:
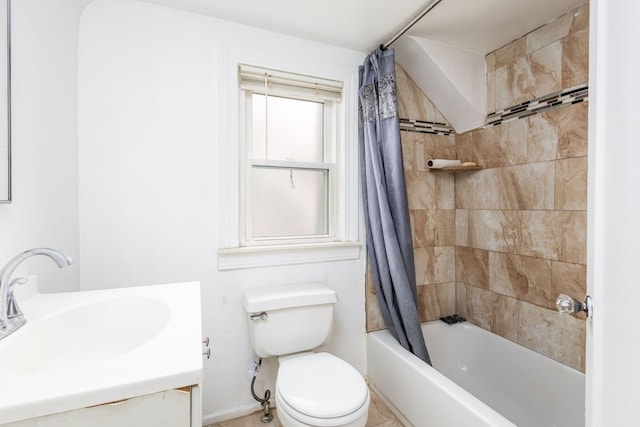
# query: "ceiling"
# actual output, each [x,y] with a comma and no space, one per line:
[477,25]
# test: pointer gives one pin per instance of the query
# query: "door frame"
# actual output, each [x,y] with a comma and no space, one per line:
[613,230]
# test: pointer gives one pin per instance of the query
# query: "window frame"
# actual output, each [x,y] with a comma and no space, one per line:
[331,141]
[348,227]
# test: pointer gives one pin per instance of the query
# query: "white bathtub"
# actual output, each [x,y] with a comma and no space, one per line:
[480,379]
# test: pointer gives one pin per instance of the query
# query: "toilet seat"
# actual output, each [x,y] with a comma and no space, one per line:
[320,389]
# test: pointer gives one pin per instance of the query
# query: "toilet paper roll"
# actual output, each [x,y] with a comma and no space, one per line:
[442,163]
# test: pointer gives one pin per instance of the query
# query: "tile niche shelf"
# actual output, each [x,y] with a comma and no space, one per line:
[455,169]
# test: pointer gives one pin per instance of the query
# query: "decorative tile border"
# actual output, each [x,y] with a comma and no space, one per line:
[554,100]
[423,126]
[565,97]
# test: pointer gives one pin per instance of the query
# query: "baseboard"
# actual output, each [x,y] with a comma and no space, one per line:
[230,414]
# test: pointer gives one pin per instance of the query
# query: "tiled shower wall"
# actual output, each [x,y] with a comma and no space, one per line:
[432,210]
[498,245]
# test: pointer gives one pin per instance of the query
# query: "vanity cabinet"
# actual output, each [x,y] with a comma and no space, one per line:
[170,408]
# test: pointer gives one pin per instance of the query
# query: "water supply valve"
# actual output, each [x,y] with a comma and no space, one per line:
[207,351]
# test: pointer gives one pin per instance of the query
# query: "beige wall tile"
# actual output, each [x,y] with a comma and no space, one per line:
[472,267]
[503,97]
[572,236]
[427,190]
[510,52]
[410,142]
[502,145]
[477,190]
[575,59]
[491,92]
[515,83]
[462,227]
[566,128]
[413,227]
[435,265]
[569,279]
[436,301]
[553,235]
[491,62]
[495,230]
[553,334]
[549,33]
[464,144]
[436,147]
[524,278]
[412,102]
[580,18]
[494,312]
[571,184]
[572,126]
[434,228]
[461,299]
[546,68]
[542,138]
[375,321]
[539,234]
[528,186]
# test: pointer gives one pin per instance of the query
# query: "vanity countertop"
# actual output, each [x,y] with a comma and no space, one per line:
[81,349]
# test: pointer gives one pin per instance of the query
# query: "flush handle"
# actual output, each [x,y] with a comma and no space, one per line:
[259,316]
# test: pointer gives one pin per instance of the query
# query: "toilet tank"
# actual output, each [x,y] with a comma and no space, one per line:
[287,319]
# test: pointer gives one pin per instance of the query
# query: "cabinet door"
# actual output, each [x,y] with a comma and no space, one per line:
[170,408]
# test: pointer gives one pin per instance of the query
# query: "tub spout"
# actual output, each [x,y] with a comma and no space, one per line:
[11,318]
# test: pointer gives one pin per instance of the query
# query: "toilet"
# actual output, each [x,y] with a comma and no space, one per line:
[312,389]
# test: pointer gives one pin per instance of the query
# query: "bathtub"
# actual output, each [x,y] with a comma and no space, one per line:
[480,379]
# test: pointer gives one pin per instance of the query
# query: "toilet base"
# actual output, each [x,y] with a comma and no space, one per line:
[288,421]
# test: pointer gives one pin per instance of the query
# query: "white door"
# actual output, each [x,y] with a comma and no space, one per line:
[613,335]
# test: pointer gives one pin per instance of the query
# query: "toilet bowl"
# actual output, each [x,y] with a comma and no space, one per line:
[312,389]
[319,389]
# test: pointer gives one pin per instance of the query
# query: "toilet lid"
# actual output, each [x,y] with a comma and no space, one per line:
[321,385]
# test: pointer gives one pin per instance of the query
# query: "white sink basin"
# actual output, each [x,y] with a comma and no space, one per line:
[84,335]
[81,349]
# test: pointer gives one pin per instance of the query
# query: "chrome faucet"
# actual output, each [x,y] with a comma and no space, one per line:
[11,318]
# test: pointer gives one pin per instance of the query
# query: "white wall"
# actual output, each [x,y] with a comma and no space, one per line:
[44,211]
[150,128]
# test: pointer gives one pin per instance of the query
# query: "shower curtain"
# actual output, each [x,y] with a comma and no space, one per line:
[386,211]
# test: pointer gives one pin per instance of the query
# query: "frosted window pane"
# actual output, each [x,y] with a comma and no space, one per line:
[295,129]
[288,202]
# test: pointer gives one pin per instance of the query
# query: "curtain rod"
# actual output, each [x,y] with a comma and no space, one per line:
[406,28]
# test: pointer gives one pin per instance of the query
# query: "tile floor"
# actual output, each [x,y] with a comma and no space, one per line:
[379,416]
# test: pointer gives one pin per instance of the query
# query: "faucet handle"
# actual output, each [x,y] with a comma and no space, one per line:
[12,305]
[568,305]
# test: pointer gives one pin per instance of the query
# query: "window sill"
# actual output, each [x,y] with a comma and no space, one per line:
[266,256]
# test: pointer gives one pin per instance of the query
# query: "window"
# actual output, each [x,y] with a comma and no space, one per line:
[289,148]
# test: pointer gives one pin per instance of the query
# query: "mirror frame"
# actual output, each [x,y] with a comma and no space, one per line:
[5,101]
